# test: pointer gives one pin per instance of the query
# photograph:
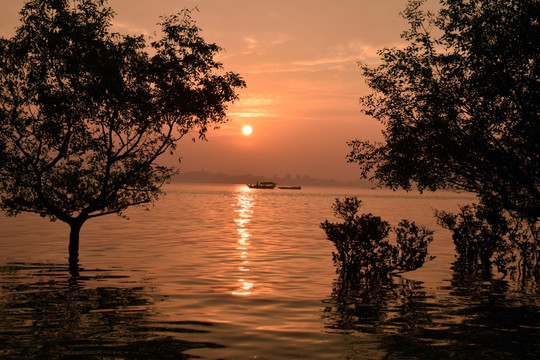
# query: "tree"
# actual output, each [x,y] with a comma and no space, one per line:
[460,103]
[85,113]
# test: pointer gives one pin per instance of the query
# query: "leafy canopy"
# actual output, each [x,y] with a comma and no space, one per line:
[460,103]
[85,113]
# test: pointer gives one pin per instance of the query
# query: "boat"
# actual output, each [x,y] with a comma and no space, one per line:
[293,187]
[262,185]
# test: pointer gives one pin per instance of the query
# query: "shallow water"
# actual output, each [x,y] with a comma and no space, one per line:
[225,272]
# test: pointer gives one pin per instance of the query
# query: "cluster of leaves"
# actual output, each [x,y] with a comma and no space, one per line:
[364,252]
[485,234]
[459,103]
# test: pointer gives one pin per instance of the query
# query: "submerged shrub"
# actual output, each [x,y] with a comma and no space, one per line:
[364,252]
[478,234]
[412,245]
[485,234]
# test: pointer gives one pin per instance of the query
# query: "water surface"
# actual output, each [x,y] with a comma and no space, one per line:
[225,272]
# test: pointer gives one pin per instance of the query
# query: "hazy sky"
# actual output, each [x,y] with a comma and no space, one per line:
[299,59]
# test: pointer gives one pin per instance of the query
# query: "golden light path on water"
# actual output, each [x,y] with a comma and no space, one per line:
[244,202]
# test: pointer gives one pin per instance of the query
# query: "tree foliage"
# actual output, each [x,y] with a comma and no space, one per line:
[460,103]
[85,112]
[364,252]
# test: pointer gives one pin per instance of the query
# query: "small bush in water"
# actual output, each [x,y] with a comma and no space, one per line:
[364,252]
[485,234]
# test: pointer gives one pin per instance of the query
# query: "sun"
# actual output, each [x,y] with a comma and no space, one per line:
[247,130]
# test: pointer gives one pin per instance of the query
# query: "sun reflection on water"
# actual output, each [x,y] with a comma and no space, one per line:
[244,211]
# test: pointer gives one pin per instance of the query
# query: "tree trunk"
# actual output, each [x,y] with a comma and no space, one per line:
[75,229]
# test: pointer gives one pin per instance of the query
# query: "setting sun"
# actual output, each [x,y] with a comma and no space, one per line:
[246,130]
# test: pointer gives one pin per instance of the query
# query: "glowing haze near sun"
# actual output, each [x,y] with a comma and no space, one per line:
[247,130]
[303,79]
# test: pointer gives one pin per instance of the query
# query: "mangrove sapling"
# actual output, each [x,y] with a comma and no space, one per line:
[364,253]
[485,234]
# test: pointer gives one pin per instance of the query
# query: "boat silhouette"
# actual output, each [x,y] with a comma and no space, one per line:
[262,185]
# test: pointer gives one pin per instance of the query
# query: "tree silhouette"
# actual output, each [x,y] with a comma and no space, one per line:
[85,113]
[460,103]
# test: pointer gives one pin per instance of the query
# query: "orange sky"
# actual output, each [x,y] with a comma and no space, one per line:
[299,59]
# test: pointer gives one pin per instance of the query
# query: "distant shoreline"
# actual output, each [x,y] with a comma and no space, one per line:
[221,178]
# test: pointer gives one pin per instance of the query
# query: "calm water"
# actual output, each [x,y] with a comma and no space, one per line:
[225,272]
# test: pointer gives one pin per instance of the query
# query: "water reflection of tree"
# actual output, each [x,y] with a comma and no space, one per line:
[482,317]
[477,317]
[388,308]
[47,315]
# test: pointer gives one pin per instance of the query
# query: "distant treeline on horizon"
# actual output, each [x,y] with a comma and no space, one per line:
[221,178]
